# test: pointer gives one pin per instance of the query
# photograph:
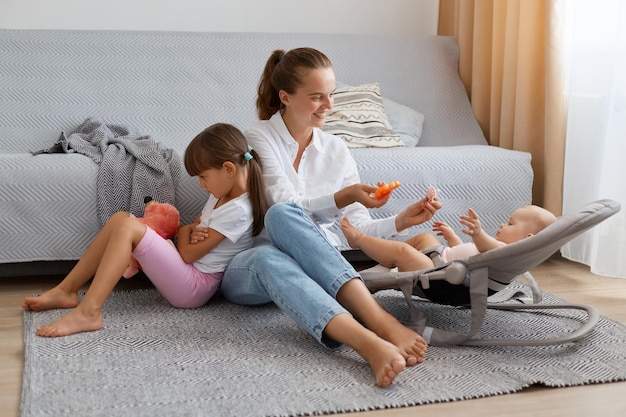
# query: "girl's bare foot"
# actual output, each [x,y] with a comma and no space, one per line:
[352,234]
[51,299]
[384,358]
[75,321]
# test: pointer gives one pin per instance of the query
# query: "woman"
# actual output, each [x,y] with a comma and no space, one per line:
[302,271]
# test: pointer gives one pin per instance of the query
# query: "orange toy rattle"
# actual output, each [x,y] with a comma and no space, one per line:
[385,189]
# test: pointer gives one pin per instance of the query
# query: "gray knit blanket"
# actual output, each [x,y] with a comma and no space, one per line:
[131,166]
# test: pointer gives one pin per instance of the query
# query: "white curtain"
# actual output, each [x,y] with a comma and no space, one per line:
[595,153]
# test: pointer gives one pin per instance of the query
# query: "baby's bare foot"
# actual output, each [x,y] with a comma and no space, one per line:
[73,322]
[352,234]
[51,299]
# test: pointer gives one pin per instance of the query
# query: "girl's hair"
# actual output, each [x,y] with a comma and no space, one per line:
[284,71]
[220,143]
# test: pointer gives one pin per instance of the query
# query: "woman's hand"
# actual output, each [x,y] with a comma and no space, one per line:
[417,213]
[359,193]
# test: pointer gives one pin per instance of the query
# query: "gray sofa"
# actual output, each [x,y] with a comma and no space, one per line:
[171,85]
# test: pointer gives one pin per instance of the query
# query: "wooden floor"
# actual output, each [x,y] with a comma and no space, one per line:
[565,279]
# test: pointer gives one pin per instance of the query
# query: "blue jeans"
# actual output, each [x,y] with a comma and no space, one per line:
[301,272]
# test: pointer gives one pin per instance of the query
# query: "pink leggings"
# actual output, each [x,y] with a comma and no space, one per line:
[179,283]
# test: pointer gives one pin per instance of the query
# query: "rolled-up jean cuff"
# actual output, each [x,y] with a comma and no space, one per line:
[318,329]
[342,279]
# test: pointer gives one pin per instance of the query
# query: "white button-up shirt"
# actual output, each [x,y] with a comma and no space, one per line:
[326,167]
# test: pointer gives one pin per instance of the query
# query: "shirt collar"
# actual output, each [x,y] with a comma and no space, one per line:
[279,124]
[317,139]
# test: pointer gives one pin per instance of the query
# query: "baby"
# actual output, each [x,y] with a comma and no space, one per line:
[524,221]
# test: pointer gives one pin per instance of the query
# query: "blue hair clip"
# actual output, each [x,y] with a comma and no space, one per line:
[248,156]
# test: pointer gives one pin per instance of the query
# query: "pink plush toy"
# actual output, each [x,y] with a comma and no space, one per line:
[164,219]
[431,194]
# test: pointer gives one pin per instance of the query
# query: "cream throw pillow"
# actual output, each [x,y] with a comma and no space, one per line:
[358,117]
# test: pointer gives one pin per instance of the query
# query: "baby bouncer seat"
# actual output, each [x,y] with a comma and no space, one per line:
[469,282]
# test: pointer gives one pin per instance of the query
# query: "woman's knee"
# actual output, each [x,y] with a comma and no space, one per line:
[280,213]
[284,221]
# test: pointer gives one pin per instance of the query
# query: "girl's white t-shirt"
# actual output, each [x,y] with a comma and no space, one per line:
[234,220]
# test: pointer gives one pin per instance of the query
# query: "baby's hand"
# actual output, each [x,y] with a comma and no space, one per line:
[443,229]
[471,222]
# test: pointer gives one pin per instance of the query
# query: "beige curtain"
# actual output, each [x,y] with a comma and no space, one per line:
[510,64]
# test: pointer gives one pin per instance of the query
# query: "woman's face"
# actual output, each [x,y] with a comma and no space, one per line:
[312,100]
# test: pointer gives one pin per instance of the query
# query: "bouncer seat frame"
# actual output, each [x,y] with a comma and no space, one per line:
[469,282]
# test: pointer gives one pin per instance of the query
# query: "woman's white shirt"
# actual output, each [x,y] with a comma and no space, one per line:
[326,167]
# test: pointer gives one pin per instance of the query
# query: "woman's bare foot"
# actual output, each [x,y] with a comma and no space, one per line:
[75,321]
[412,346]
[352,234]
[384,358]
[51,299]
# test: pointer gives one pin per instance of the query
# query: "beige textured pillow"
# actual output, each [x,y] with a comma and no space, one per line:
[358,117]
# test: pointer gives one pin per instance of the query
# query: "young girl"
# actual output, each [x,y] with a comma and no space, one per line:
[186,276]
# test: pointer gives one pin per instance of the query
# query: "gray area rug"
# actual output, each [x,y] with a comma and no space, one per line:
[226,360]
